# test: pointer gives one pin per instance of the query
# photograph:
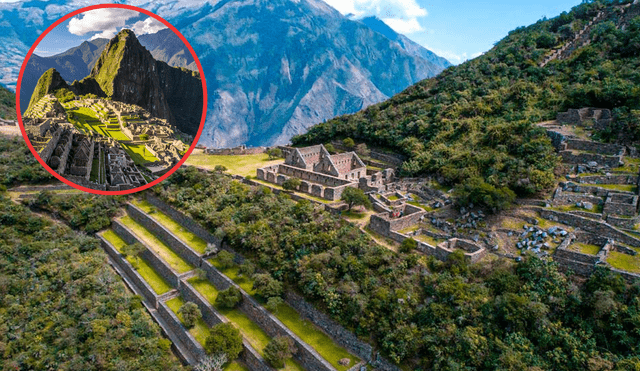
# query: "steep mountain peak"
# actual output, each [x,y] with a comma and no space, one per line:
[49,83]
[380,27]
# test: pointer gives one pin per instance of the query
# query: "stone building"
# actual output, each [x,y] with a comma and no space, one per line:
[321,174]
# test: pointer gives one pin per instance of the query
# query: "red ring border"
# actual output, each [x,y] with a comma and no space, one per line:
[174,168]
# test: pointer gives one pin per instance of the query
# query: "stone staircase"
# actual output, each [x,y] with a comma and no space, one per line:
[579,40]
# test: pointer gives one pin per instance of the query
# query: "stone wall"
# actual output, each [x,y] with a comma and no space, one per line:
[47,150]
[601,148]
[165,235]
[339,334]
[383,223]
[584,158]
[593,226]
[307,356]
[182,219]
[626,223]
[176,326]
[146,290]
[630,277]
[209,314]
[609,179]
[557,139]
[148,255]
[621,204]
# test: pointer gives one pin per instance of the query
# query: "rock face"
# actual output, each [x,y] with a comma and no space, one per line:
[166,46]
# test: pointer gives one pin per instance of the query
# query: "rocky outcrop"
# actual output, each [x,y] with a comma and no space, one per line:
[88,85]
[127,72]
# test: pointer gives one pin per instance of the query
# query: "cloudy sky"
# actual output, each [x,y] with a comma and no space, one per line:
[99,23]
[456,30]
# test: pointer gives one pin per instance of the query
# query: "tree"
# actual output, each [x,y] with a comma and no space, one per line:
[274,153]
[330,148]
[211,363]
[363,150]
[190,314]
[225,339]
[267,286]
[291,184]
[133,250]
[408,245]
[229,298]
[220,169]
[349,143]
[144,137]
[247,269]
[225,259]
[273,303]
[278,351]
[355,196]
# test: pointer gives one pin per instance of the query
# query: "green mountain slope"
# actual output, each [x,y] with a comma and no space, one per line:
[7,104]
[51,83]
[475,123]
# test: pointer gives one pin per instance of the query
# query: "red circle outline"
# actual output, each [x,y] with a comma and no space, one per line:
[174,168]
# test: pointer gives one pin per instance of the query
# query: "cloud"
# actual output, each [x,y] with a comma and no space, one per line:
[149,25]
[401,15]
[404,26]
[100,20]
[106,34]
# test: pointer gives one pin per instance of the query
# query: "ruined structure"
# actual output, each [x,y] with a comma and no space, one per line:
[322,174]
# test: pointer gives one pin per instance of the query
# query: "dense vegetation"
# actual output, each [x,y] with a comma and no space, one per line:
[18,165]
[63,308]
[431,315]
[475,123]
[7,104]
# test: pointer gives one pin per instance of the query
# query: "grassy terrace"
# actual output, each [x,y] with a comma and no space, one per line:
[306,330]
[200,330]
[195,242]
[139,153]
[157,283]
[625,262]
[585,248]
[615,187]
[173,259]
[249,329]
[245,165]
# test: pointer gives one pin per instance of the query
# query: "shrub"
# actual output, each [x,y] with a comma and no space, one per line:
[278,351]
[225,259]
[229,298]
[190,313]
[267,286]
[408,245]
[224,339]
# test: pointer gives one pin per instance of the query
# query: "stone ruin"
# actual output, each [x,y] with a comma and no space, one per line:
[598,118]
[122,172]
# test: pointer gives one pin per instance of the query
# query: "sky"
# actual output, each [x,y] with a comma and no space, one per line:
[456,30]
[99,23]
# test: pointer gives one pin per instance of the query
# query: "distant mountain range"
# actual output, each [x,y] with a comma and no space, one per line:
[273,68]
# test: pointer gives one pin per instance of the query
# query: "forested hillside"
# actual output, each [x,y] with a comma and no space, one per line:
[474,125]
[420,312]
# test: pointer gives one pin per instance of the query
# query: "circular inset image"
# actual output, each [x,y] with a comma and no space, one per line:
[111,99]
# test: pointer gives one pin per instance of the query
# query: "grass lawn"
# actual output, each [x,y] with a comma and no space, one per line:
[157,283]
[427,239]
[311,335]
[393,198]
[235,366]
[422,206]
[139,153]
[95,170]
[249,329]
[195,242]
[200,330]
[173,259]
[566,208]
[245,165]
[615,187]
[585,248]
[625,262]
[244,282]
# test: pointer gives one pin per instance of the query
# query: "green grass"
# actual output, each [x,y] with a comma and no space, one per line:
[95,170]
[311,335]
[245,165]
[393,198]
[585,248]
[566,208]
[200,330]
[195,242]
[157,283]
[139,154]
[173,259]
[422,206]
[616,187]
[625,262]
[249,329]
[427,239]
[235,366]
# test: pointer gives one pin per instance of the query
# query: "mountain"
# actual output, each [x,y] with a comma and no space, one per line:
[405,43]
[127,72]
[273,68]
[474,126]
[166,46]
[73,64]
